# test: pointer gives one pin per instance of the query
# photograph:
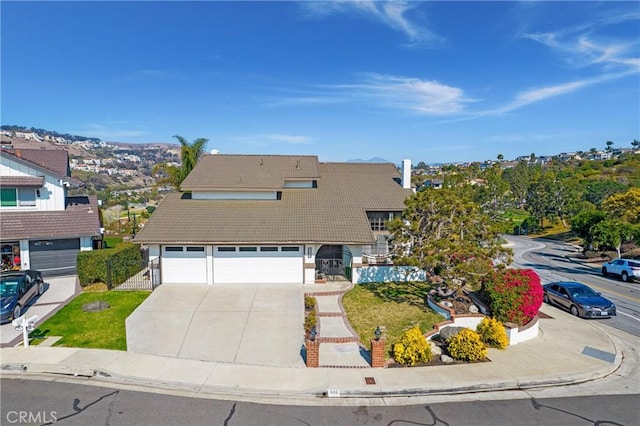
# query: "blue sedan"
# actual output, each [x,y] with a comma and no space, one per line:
[17,289]
[579,299]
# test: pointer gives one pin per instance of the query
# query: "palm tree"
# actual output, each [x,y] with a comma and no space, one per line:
[190,153]
[609,146]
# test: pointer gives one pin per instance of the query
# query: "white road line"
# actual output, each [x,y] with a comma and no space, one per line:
[627,315]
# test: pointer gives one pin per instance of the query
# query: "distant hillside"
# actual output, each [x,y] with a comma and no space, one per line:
[43,133]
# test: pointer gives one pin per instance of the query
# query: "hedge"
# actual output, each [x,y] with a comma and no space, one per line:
[124,261]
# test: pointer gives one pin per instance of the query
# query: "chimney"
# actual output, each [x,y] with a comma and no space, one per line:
[406,174]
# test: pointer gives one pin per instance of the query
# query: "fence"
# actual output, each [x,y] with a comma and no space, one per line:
[147,276]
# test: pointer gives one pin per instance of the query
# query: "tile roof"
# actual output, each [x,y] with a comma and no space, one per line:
[245,172]
[334,212]
[22,181]
[79,219]
[53,160]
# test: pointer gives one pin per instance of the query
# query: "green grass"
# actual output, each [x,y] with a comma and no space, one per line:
[101,330]
[112,241]
[515,216]
[395,307]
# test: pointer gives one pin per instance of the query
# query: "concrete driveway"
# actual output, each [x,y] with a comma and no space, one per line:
[58,291]
[256,324]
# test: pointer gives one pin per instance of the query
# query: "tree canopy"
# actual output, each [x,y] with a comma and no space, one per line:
[445,233]
[190,153]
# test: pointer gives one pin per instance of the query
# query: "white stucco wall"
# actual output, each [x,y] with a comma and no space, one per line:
[383,274]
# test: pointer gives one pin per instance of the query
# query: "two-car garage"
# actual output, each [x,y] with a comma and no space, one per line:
[232,264]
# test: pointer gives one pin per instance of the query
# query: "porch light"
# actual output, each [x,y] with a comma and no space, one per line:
[378,333]
[312,334]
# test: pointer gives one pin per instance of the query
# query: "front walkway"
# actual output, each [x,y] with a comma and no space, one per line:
[339,344]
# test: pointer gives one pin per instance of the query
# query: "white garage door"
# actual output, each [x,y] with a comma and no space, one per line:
[184,265]
[261,264]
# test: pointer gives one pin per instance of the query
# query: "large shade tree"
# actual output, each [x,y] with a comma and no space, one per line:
[189,154]
[445,233]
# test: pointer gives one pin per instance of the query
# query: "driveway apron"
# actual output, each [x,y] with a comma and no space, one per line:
[255,324]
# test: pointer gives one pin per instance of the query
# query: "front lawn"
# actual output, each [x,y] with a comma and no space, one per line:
[395,307]
[100,330]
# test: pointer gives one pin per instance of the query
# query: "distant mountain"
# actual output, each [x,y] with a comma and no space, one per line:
[371,160]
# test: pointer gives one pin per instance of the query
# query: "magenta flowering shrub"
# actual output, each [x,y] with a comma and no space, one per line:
[514,295]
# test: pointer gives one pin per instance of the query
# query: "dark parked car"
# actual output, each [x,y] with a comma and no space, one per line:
[624,268]
[17,289]
[579,299]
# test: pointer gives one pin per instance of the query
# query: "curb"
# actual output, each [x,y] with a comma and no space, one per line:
[88,375]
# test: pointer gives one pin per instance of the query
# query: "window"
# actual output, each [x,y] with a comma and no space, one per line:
[26,197]
[173,249]
[268,248]
[195,248]
[290,248]
[8,197]
[378,220]
[226,249]
[18,197]
[248,249]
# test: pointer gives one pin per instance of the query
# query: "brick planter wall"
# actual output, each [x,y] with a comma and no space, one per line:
[313,353]
[377,353]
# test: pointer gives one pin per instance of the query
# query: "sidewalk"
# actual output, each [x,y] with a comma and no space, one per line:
[567,351]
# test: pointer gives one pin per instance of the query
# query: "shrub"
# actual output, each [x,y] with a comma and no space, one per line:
[412,348]
[310,321]
[466,346]
[492,333]
[515,295]
[124,261]
[309,303]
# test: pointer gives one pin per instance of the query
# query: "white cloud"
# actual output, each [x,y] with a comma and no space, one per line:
[416,95]
[108,133]
[290,139]
[392,14]
[427,97]
[279,138]
[584,44]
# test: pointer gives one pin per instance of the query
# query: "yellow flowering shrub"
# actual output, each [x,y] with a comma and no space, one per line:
[466,346]
[492,333]
[412,348]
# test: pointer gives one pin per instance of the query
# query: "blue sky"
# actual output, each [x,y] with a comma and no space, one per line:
[430,81]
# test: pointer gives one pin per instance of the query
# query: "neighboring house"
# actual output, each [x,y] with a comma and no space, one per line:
[273,219]
[431,183]
[39,224]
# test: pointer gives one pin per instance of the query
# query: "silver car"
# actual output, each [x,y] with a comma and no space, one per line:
[624,268]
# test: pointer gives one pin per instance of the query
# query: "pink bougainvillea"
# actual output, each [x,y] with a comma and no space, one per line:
[515,295]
